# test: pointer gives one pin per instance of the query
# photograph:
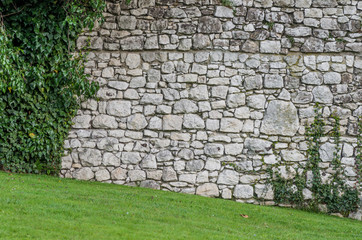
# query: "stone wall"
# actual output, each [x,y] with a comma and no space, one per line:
[194,94]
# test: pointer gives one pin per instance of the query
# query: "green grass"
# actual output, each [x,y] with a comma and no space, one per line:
[43,207]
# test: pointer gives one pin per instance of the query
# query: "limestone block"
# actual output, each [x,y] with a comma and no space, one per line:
[83,174]
[82,121]
[292,155]
[231,125]
[228,177]
[119,174]
[136,175]
[243,191]
[90,157]
[130,157]
[102,175]
[193,121]
[168,174]
[104,121]
[214,150]
[208,190]
[256,145]
[172,122]
[281,118]
[119,108]
[136,122]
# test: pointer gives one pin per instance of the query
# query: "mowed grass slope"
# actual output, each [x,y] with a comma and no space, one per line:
[43,207]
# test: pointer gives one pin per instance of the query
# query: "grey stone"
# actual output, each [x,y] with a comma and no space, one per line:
[118,85]
[168,174]
[209,25]
[268,46]
[170,94]
[150,98]
[172,122]
[83,174]
[164,156]
[255,145]
[119,174]
[146,3]
[322,94]
[127,22]
[82,121]
[313,45]
[332,78]
[137,82]
[327,151]
[243,191]
[193,121]
[201,41]
[281,118]
[149,162]
[186,154]
[231,125]
[199,93]
[208,190]
[253,82]
[150,184]
[185,106]
[136,175]
[136,122]
[313,78]
[255,14]
[133,60]
[264,191]
[131,157]
[90,157]
[250,46]
[108,72]
[214,150]
[273,81]
[176,13]
[298,31]
[228,177]
[109,159]
[119,108]
[324,3]
[102,175]
[235,100]
[303,3]
[329,24]
[303,97]
[151,43]
[212,165]
[189,178]
[292,155]
[195,165]
[132,43]
[187,78]
[224,12]
[256,101]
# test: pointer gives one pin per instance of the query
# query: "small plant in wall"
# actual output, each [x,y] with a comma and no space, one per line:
[307,185]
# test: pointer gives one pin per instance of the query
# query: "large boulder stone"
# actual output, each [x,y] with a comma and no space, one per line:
[281,118]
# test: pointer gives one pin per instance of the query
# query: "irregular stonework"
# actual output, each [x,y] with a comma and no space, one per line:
[196,97]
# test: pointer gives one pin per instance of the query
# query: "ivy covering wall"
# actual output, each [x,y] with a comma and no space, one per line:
[41,79]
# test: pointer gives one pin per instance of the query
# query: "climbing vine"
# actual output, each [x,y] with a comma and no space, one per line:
[332,192]
[41,79]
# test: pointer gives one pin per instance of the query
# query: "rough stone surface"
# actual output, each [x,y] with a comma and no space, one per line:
[198,97]
[281,118]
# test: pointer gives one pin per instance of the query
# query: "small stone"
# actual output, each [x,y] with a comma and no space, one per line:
[235,100]
[150,98]
[127,22]
[256,101]
[313,45]
[185,106]
[109,159]
[104,121]
[149,162]
[164,156]
[200,41]
[327,151]
[253,82]
[136,122]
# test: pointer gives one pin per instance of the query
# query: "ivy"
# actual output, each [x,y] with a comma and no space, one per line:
[334,192]
[41,79]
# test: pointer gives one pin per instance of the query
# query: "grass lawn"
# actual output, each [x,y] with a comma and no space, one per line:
[43,207]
